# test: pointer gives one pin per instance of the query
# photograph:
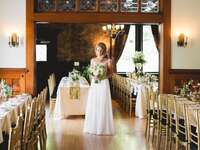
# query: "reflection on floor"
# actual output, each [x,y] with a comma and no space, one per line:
[68,134]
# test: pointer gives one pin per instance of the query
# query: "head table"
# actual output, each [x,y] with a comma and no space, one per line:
[71,97]
[10,110]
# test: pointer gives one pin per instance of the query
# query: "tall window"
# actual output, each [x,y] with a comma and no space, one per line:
[125,63]
[142,41]
[150,51]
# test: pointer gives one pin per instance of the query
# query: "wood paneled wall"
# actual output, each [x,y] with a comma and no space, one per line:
[16,78]
[176,75]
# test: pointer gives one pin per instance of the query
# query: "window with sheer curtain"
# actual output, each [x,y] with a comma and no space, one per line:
[125,63]
[150,51]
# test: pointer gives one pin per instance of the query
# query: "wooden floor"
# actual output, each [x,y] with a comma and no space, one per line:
[68,134]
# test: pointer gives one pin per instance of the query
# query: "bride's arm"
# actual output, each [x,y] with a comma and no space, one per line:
[110,68]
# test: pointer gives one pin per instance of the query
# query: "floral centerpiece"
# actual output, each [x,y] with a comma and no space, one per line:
[144,77]
[150,78]
[98,72]
[5,90]
[139,60]
[188,89]
[74,75]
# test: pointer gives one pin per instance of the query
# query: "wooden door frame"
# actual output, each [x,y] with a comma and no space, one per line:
[163,18]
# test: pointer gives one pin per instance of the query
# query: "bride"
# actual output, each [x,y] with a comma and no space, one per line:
[99,116]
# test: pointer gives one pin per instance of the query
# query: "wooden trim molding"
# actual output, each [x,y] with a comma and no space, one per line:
[82,17]
[24,70]
[184,71]
[165,50]
[30,48]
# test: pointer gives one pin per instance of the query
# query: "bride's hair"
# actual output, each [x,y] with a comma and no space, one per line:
[103,50]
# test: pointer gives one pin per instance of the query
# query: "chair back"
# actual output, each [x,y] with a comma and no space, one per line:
[163,107]
[51,83]
[16,135]
[193,124]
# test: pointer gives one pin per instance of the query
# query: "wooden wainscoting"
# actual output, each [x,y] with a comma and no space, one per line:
[16,78]
[176,75]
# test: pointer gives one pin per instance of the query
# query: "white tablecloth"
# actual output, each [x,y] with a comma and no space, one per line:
[141,101]
[65,106]
[141,89]
[9,111]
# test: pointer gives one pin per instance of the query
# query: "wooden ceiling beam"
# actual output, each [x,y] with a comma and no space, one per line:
[55,17]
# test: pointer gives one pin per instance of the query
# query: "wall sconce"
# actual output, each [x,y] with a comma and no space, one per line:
[13,40]
[182,40]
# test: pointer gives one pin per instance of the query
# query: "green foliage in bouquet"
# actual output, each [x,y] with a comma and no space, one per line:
[139,58]
[86,73]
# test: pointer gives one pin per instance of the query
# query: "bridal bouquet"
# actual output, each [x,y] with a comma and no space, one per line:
[98,72]
[74,75]
[5,90]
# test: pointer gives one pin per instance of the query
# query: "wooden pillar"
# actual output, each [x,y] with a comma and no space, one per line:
[30,48]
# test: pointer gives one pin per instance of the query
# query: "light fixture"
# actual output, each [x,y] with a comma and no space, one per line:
[113,29]
[13,40]
[182,40]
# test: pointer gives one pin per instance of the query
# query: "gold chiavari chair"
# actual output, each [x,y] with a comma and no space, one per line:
[163,121]
[172,119]
[152,113]
[124,93]
[16,135]
[131,99]
[193,126]
[29,138]
[40,118]
[181,124]
[25,133]
[52,86]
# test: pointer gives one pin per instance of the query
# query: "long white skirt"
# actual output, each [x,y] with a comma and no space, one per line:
[99,115]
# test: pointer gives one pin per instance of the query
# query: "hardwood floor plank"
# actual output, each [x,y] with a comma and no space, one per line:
[68,134]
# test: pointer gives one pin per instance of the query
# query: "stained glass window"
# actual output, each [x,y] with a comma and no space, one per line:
[129,5]
[150,6]
[66,5]
[108,5]
[88,5]
[46,5]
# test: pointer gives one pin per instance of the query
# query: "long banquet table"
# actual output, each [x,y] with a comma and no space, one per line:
[9,111]
[66,105]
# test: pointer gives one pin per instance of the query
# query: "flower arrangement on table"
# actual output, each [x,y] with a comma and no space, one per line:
[143,77]
[190,89]
[98,72]
[74,75]
[139,60]
[5,89]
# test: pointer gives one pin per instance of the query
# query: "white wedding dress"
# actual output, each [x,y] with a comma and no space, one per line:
[99,115]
